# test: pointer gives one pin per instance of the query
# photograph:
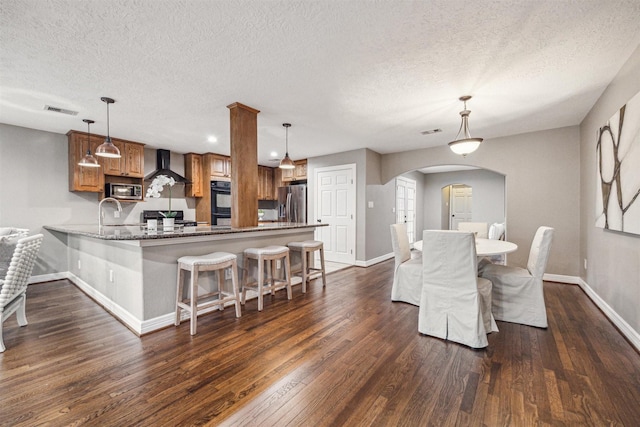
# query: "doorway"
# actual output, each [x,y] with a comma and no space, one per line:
[460,205]
[335,190]
[406,205]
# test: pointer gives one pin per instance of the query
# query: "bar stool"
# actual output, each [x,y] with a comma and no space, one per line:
[218,262]
[268,255]
[307,249]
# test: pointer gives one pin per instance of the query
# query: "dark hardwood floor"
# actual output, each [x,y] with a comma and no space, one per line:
[344,355]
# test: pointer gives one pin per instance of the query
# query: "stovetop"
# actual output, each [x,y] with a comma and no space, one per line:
[179,218]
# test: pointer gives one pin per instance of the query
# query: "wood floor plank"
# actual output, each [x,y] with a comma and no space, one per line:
[340,355]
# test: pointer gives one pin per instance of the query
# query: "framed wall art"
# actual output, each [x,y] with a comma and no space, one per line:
[618,169]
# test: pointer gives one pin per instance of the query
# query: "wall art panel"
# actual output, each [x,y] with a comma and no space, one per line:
[618,168]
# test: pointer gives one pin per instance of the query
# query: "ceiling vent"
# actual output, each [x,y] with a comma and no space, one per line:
[60,110]
[429,132]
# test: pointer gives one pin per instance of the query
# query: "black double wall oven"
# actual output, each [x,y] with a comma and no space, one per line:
[220,203]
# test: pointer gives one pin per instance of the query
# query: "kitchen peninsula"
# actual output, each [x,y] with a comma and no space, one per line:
[132,272]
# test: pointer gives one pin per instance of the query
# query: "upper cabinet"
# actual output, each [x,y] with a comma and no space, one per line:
[84,178]
[220,166]
[297,174]
[131,162]
[300,172]
[265,183]
[129,168]
[193,172]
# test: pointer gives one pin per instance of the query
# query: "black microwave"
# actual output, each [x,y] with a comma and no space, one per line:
[123,191]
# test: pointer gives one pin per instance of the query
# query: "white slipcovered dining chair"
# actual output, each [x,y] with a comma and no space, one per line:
[455,304]
[497,232]
[407,274]
[479,228]
[13,286]
[518,295]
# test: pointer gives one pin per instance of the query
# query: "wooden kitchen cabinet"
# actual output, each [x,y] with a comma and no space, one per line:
[131,162]
[297,174]
[300,172]
[193,172]
[265,183]
[277,182]
[129,169]
[84,178]
[220,166]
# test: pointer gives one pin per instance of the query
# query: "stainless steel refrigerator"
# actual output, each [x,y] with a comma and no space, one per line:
[292,203]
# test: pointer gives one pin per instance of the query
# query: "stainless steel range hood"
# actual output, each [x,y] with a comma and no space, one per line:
[163,167]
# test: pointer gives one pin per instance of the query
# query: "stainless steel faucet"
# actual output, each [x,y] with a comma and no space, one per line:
[101,214]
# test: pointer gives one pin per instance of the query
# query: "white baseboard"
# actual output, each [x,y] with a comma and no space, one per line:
[49,277]
[120,313]
[373,261]
[626,330]
[165,320]
[561,278]
[139,327]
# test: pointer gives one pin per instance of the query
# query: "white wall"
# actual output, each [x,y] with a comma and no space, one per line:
[613,258]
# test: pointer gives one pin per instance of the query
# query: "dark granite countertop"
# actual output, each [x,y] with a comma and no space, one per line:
[140,232]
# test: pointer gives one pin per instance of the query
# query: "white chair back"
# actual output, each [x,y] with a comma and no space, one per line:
[539,253]
[20,268]
[400,243]
[480,228]
[455,304]
[13,286]
[496,231]
[449,259]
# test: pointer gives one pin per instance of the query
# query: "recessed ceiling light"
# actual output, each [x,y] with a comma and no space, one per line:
[212,139]
[274,154]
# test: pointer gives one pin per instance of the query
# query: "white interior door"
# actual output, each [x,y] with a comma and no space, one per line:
[461,205]
[406,205]
[336,206]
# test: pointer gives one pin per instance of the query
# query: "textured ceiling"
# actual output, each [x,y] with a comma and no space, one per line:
[346,74]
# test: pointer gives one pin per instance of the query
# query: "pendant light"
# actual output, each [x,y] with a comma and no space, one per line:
[467,144]
[286,162]
[88,160]
[107,149]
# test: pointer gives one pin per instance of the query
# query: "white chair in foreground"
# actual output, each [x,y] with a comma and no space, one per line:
[479,228]
[13,287]
[518,296]
[455,303]
[407,275]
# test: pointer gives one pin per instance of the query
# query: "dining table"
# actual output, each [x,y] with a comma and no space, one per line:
[484,247]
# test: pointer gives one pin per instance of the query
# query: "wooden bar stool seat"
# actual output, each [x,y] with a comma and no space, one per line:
[218,262]
[307,250]
[268,255]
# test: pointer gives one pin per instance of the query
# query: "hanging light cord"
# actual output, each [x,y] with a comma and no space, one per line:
[108,137]
[286,140]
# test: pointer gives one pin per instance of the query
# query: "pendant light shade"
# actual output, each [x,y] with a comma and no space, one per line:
[463,143]
[286,162]
[107,149]
[88,160]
